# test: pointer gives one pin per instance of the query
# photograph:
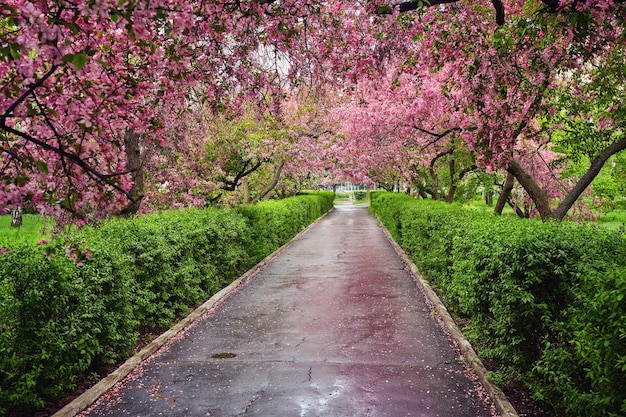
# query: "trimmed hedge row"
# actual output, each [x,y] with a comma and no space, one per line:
[545,302]
[62,318]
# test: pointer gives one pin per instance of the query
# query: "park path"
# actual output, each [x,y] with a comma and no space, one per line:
[333,326]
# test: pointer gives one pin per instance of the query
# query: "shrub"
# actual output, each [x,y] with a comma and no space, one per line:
[82,300]
[51,323]
[544,301]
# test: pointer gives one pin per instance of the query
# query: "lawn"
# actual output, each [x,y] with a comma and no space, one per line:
[30,231]
[614,220]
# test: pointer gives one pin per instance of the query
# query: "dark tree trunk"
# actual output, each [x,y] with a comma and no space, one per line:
[449,198]
[134,164]
[536,193]
[539,196]
[245,189]
[435,187]
[504,194]
[520,213]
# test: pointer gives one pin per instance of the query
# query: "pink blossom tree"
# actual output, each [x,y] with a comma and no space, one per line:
[91,89]
[79,78]
[507,72]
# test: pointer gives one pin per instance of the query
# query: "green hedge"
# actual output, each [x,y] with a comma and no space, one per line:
[545,302]
[62,318]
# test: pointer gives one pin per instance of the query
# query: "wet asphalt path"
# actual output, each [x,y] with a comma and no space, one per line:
[333,326]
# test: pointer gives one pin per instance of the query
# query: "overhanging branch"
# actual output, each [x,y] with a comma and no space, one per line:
[88,169]
[408,5]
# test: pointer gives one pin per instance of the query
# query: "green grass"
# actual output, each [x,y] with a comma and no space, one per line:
[342,196]
[350,197]
[30,231]
[613,220]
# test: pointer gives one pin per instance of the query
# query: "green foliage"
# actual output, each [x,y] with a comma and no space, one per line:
[586,367]
[360,195]
[614,220]
[275,222]
[544,301]
[58,320]
[81,301]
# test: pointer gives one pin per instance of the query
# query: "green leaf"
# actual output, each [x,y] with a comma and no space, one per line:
[67,58]
[14,50]
[21,180]
[11,51]
[74,28]
[42,167]
[78,60]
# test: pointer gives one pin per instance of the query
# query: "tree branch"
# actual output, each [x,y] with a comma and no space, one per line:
[437,136]
[408,5]
[594,169]
[232,185]
[31,88]
[440,155]
[271,185]
[536,193]
[91,171]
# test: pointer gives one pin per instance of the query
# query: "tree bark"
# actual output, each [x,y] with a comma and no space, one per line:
[449,197]
[16,216]
[433,172]
[536,193]
[134,164]
[504,194]
[455,179]
[272,184]
[245,189]
[435,187]
[594,169]
[421,192]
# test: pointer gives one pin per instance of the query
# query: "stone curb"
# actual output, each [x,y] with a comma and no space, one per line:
[502,403]
[87,398]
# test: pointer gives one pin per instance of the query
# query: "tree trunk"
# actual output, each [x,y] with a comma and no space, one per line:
[272,184]
[489,198]
[435,187]
[520,213]
[540,197]
[245,189]
[134,164]
[584,181]
[504,194]
[536,193]
[16,216]
[449,198]
[433,173]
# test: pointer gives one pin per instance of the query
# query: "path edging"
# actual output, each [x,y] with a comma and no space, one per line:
[87,398]
[502,403]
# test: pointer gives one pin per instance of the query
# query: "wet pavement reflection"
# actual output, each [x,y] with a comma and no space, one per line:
[333,326]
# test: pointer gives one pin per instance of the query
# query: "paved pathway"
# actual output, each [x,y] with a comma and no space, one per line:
[333,326]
